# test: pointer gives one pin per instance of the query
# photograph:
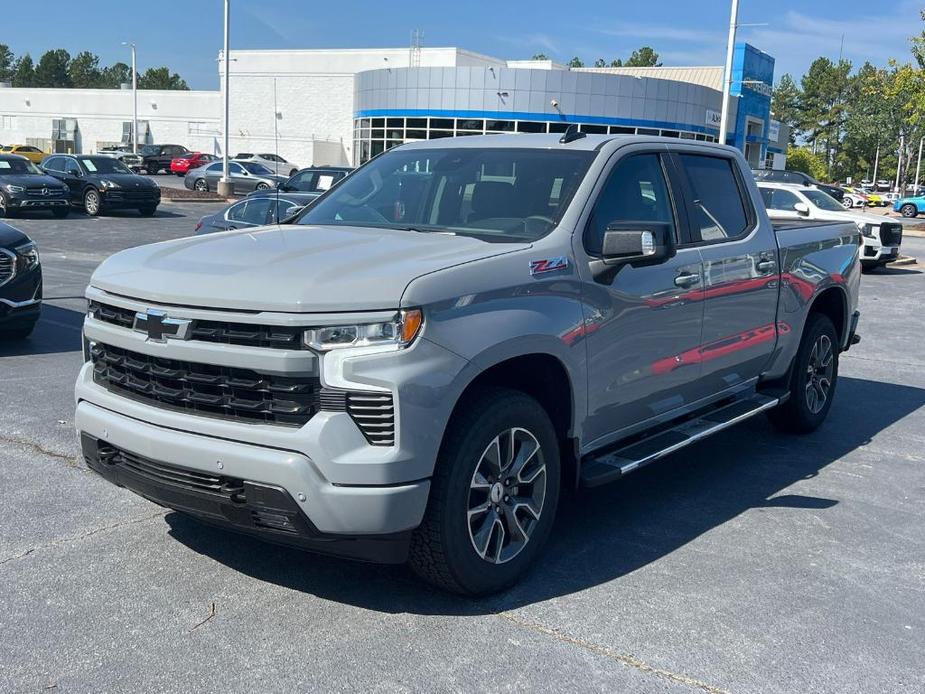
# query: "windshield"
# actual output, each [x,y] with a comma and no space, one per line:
[497,194]
[105,165]
[256,169]
[15,165]
[823,201]
[149,150]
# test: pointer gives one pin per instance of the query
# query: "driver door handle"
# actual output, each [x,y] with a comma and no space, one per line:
[686,279]
[765,265]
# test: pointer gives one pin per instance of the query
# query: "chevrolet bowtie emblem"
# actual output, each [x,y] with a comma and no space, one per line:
[158,327]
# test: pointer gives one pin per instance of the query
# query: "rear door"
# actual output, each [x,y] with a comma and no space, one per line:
[643,323]
[740,269]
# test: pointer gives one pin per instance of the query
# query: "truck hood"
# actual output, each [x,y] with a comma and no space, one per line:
[291,268]
[857,217]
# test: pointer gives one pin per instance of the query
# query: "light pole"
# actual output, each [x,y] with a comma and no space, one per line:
[899,161]
[224,185]
[918,166]
[134,99]
[727,78]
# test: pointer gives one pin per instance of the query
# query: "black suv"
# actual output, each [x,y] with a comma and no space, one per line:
[20,283]
[23,187]
[780,176]
[157,158]
[99,182]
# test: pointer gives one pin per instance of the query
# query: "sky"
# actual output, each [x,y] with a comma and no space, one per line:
[186,35]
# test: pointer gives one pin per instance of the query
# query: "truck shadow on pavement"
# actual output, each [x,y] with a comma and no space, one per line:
[605,533]
[58,331]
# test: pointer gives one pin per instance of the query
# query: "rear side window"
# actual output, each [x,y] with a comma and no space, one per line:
[777,199]
[719,208]
[635,191]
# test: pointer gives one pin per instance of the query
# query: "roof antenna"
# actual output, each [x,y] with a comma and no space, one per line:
[571,134]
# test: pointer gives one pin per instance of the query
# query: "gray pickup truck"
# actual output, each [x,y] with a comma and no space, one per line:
[417,365]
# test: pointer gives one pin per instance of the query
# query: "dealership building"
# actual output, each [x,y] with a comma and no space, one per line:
[344,106]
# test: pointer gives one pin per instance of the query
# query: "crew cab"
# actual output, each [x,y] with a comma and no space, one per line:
[415,366]
[881,236]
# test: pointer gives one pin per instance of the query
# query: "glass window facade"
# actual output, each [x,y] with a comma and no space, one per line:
[372,136]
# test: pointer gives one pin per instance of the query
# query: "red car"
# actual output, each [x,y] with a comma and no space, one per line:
[182,165]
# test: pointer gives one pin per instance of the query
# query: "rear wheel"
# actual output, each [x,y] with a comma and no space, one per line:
[201,185]
[812,379]
[908,210]
[847,203]
[92,202]
[493,496]
[263,186]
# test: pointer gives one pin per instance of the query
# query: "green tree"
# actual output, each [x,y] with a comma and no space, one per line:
[824,104]
[540,56]
[616,62]
[643,57]
[7,63]
[115,75]
[803,159]
[161,78]
[600,62]
[84,70]
[24,72]
[52,69]
[576,62]
[785,105]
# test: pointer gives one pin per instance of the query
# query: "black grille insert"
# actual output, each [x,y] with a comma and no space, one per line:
[244,334]
[206,389]
[891,234]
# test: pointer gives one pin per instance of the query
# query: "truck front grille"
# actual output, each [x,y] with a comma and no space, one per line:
[373,413]
[205,389]
[7,266]
[244,334]
[891,233]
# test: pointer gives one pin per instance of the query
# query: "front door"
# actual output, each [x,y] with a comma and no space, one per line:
[643,326]
[741,281]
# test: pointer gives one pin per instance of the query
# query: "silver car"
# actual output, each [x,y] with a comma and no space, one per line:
[245,177]
[274,162]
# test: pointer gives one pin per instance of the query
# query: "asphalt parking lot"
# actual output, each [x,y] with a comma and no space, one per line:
[751,562]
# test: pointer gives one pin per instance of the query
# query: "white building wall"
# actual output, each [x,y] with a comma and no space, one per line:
[189,118]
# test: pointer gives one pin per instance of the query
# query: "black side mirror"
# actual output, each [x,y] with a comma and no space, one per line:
[633,243]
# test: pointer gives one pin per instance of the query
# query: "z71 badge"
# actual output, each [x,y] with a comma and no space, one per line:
[539,267]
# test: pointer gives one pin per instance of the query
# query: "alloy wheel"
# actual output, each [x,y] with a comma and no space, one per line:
[819,374]
[506,495]
[92,202]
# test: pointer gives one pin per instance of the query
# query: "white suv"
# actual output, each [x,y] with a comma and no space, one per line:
[882,236]
[274,162]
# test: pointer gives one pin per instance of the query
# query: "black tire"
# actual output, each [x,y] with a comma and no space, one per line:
[262,186]
[443,549]
[147,211]
[201,184]
[799,415]
[93,203]
[909,210]
[60,212]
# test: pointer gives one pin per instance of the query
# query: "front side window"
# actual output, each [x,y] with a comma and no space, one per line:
[71,167]
[823,200]
[635,191]
[778,199]
[456,190]
[215,168]
[719,208]
[235,169]
[255,168]
[52,164]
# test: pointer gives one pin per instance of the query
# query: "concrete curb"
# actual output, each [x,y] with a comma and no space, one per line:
[905,260]
[197,200]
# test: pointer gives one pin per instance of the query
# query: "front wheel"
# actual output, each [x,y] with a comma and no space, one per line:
[92,202]
[201,185]
[263,186]
[908,210]
[847,203]
[493,496]
[812,380]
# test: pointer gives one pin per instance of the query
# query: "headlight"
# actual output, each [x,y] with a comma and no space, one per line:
[10,188]
[867,230]
[65,189]
[400,331]
[108,185]
[28,255]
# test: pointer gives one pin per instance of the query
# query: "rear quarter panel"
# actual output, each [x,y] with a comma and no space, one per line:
[813,259]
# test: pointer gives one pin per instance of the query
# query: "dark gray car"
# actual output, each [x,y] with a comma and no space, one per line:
[245,177]
[255,211]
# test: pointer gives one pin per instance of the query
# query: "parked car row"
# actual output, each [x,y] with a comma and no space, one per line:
[849,197]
